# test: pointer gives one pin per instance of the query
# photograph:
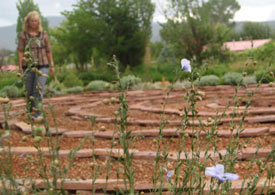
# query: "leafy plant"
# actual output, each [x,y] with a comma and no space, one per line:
[127,82]
[209,80]
[77,89]
[10,91]
[264,76]
[232,78]
[98,85]
[72,80]
[249,80]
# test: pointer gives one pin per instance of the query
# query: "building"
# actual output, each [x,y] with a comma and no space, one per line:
[244,45]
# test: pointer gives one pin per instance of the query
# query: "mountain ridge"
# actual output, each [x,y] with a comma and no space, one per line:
[8,33]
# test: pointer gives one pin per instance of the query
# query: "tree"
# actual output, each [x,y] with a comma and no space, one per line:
[24,7]
[256,30]
[109,27]
[196,25]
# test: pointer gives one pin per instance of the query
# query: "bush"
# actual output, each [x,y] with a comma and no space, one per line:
[77,89]
[129,81]
[218,70]
[265,52]
[72,80]
[249,80]
[10,91]
[145,85]
[97,85]
[263,76]
[184,84]
[3,94]
[56,85]
[53,89]
[8,79]
[100,73]
[232,78]
[208,80]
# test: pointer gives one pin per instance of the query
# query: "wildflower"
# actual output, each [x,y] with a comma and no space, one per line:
[218,172]
[22,155]
[168,173]
[185,65]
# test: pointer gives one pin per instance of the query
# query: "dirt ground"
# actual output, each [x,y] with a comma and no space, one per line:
[155,101]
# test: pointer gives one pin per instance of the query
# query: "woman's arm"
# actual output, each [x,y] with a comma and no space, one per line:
[51,63]
[49,54]
[20,49]
[20,59]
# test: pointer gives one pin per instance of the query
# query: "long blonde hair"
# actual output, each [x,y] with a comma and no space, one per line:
[32,14]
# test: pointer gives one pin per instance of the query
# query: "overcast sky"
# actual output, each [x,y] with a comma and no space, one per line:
[251,10]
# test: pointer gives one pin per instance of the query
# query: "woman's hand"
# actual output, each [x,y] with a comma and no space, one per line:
[52,70]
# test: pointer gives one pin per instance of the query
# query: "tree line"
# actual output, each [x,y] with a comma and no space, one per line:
[95,30]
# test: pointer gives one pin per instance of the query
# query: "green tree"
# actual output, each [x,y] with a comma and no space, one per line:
[108,27]
[256,30]
[195,26]
[24,7]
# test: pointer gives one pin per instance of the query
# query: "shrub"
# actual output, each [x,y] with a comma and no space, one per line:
[100,73]
[184,84]
[51,92]
[265,52]
[127,82]
[97,85]
[218,70]
[249,80]
[72,80]
[208,80]
[77,89]
[232,78]
[53,89]
[145,85]
[56,85]
[10,91]
[8,79]
[3,94]
[263,76]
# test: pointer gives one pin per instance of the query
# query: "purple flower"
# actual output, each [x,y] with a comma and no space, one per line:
[218,172]
[168,173]
[185,65]
[22,155]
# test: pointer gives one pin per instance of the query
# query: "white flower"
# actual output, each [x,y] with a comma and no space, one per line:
[218,172]
[185,65]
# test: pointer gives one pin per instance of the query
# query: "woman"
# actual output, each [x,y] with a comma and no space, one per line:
[42,58]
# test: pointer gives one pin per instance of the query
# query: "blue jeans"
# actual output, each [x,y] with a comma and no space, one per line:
[35,87]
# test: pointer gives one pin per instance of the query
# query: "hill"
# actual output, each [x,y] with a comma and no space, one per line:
[8,33]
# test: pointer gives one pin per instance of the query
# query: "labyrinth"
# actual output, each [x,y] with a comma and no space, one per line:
[224,126]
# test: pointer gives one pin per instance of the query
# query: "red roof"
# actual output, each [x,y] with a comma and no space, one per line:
[243,45]
[8,67]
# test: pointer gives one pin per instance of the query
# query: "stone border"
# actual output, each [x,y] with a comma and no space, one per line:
[24,127]
[249,132]
[245,154]
[85,187]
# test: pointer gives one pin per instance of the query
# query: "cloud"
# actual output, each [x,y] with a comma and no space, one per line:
[254,13]
[252,10]
[9,13]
